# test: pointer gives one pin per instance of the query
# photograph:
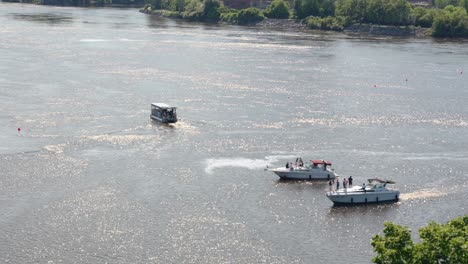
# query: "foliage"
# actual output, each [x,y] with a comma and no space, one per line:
[440,243]
[384,12]
[451,22]
[210,10]
[327,23]
[229,16]
[443,243]
[322,8]
[355,9]
[242,17]
[443,3]
[395,246]
[277,9]
[249,15]
[424,17]
[171,14]
[194,10]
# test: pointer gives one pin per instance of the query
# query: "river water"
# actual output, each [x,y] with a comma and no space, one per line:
[90,179]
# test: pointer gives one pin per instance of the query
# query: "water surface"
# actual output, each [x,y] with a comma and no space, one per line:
[90,179]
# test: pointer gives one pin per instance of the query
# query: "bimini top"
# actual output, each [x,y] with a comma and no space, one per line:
[317,162]
[380,181]
[162,105]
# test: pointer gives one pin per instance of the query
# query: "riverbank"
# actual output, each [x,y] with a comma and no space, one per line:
[299,25]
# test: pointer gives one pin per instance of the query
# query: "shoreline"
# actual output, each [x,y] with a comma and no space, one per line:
[299,26]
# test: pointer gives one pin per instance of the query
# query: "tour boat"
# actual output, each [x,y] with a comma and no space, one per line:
[374,192]
[163,113]
[315,170]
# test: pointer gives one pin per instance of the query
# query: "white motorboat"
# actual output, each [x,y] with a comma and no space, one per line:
[163,113]
[375,191]
[315,170]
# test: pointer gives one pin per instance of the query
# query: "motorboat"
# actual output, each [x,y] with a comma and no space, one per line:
[163,113]
[375,191]
[315,170]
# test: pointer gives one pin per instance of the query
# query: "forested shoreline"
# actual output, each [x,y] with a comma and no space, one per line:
[443,18]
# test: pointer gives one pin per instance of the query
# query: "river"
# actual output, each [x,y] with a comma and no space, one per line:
[90,179]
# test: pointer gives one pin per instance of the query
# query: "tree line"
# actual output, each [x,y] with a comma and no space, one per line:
[439,243]
[447,18]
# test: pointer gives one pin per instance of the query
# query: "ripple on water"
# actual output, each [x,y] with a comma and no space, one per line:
[98,225]
[210,237]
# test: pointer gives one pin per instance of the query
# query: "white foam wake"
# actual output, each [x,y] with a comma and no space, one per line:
[251,164]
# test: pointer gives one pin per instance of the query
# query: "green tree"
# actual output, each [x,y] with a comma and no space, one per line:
[194,10]
[326,8]
[277,9]
[443,3]
[398,12]
[451,22]
[249,15]
[375,11]
[337,23]
[424,17]
[210,10]
[307,8]
[395,246]
[440,243]
[355,9]
[443,243]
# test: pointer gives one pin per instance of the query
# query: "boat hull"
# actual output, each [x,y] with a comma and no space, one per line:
[343,198]
[304,174]
[165,120]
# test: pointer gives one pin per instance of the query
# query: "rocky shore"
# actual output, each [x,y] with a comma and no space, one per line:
[369,29]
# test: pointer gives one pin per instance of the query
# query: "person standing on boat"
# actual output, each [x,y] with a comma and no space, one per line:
[344,182]
[337,184]
[330,184]
[287,165]
[350,180]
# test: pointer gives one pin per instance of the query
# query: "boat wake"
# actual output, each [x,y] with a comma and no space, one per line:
[252,164]
[422,194]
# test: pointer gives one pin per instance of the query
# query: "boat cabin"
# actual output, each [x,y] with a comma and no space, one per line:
[322,163]
[379,183]
[163,113]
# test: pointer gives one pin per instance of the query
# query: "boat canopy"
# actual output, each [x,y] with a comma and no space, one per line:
[319,162]
[380,181]
[163,106]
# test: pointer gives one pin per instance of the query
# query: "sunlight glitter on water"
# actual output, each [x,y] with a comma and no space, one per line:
[124,140]
[384,121]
